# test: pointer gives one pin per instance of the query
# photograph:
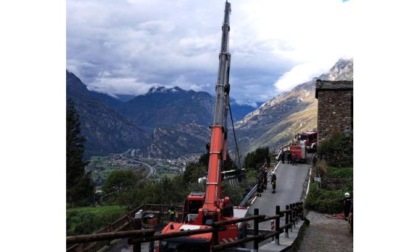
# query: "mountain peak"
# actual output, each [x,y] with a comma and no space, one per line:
[342,70]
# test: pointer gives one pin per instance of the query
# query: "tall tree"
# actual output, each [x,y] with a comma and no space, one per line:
[118,182]
[257,158]
[79,189]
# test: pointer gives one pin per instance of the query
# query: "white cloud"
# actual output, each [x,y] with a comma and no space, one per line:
[143,43]
[109,85]
[299,74]
[312,35]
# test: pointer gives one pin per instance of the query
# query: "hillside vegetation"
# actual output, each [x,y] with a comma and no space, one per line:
[86,220]
[335,171]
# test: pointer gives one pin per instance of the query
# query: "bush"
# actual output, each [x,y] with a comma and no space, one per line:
[235,193]
[257,158]
[86,220]
[335,181]
[324,201]
[337,150]
[344,172]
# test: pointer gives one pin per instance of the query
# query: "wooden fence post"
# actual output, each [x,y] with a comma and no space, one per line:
[287,220]
[277,225]
[215,237]
[137,223]
[256,222]
[292,216]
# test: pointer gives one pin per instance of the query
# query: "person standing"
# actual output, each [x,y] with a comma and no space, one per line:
[171,212]
[347,205]
[265,173]
[260,187]
[273,181]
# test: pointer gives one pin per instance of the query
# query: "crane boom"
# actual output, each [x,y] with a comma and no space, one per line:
[218,142]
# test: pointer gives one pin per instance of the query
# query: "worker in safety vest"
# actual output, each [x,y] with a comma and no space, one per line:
[171,212]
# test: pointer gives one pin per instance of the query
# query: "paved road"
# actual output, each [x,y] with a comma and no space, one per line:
[290,185]
[152,169]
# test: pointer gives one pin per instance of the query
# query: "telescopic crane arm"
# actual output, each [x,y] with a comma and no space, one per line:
[218,143]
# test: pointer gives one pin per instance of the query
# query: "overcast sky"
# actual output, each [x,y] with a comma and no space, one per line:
[126,47]
[33,58]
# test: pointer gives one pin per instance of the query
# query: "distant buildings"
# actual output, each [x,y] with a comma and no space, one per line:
[335,107]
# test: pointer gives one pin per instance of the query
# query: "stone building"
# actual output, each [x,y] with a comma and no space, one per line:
[335,107]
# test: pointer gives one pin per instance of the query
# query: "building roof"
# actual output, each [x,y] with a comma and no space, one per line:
[325,85]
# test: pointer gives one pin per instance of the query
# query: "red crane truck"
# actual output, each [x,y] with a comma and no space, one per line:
[202,209]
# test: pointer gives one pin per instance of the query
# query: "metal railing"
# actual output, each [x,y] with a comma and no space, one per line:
[248,196]
[292,214]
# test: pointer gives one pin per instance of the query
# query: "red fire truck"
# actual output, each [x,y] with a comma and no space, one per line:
[309,138]
[298,150]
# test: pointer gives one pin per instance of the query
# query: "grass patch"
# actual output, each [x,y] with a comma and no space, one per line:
[86,220]
[169,175]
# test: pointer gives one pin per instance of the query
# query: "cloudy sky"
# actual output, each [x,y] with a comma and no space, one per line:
[134,45]
[128,46]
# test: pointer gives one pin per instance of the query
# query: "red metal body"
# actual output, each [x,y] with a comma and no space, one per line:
[298,150]
[310,139]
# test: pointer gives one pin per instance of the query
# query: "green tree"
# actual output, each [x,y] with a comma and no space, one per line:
[79,187]
[235,193]
[118,183]
[257,158]
[193,171]
[228,163]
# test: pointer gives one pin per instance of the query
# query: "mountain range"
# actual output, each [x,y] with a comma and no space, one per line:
[172,122]
[277,121]
[163,123]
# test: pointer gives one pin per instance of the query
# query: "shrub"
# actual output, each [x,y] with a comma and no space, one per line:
[86,220]
[335,181]
[343,172]
[257,158]
[235,193]
[337,150]
[325,201]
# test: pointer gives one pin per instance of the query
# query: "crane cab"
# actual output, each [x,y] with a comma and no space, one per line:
[192,204]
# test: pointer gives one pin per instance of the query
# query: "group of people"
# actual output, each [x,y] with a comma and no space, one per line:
[263,180]
[287,155]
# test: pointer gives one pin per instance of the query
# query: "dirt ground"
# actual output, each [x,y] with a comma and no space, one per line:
[326,233]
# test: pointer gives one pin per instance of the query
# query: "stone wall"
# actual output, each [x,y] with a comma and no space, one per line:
[335,107]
